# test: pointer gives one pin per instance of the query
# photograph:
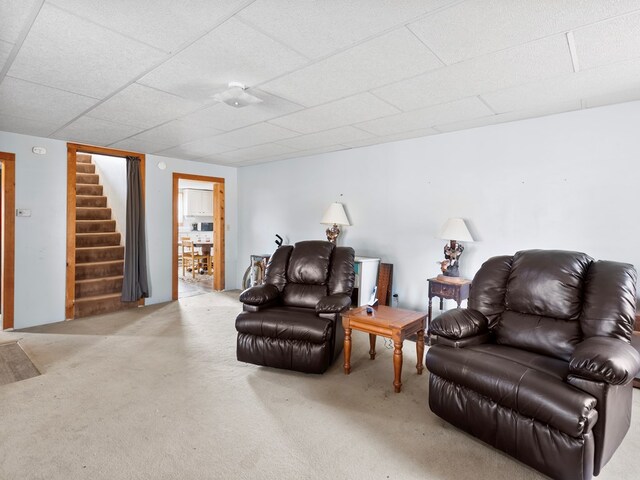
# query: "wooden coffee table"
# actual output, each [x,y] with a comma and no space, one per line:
[394,323]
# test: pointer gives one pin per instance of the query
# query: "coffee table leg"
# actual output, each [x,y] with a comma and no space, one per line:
[397,366]
[347,351]
[420,350]
[372,345]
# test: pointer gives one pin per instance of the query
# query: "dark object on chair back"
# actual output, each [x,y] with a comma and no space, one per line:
[540,364]
[293,320]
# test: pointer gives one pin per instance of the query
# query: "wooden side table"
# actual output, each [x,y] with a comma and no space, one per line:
[394,323]
[457,289]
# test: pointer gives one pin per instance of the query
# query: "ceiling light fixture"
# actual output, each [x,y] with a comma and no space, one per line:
[236,96]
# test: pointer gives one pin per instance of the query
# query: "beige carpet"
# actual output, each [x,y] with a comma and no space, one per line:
[157,393]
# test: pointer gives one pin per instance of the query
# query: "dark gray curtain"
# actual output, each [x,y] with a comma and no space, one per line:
[135,285]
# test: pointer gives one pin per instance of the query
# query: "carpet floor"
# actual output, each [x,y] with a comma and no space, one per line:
[157,393]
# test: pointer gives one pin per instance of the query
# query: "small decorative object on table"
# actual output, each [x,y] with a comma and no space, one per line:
[454,230]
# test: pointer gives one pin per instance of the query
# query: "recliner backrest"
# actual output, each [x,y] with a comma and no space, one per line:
[310,270]
[547,301]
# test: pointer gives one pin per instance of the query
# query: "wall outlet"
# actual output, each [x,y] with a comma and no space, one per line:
[23,212]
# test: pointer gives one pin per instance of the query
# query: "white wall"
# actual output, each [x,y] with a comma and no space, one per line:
[113,177]
[567,181]
[41,185]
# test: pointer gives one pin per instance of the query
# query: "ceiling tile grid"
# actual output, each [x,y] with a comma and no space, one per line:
[385,59]
[49,56]
[331,74]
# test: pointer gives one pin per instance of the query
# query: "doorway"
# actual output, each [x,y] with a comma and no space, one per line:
[7,237]
[198,235]
[91,236]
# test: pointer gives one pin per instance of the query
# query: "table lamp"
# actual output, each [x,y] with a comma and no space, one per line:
[334,216]
[454,230]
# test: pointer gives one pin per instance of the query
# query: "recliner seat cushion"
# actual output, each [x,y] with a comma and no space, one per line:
[530,392]
[285,323]
[553,367]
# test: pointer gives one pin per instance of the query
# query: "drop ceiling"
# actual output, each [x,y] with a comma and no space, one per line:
[331,74]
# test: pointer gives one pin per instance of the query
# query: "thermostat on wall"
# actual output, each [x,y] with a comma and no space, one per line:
[39,150]
[23,212]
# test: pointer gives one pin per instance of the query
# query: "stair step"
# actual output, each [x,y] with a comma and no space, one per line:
[98,286]
[91,201]
[83,158]
[100,239]
[98,304]
[99,254]
[93,178]
[85,168]
[91,213]
[89,270]
[88,189]
[95,226]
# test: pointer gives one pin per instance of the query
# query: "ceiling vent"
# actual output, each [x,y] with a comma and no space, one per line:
[236,96]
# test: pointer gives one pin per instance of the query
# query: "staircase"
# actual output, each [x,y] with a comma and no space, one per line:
[99,253]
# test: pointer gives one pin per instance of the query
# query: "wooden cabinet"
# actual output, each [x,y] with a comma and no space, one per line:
[198,203]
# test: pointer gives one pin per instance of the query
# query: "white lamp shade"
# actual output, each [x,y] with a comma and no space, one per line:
[456,229]
[335,214]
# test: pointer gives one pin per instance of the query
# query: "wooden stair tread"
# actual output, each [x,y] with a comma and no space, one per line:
[97,279]
[100,264]
[100,247]
[95,298]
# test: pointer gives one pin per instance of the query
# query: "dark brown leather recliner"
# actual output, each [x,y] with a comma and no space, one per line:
[293,320]
[540,363]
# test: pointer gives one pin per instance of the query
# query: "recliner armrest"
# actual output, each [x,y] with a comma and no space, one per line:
[260,295]
[333,303]
[459,323]
[605,359]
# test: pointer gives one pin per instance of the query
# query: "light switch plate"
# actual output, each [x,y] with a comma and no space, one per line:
[23,212]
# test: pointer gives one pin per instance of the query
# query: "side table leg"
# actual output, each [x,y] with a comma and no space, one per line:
[420,351]
[397,366]
[347,351]
[372,345]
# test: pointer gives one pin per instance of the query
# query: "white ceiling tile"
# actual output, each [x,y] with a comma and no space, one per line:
[254,135]
[388,58]
[26,126]
[223,117]
[196,149]
[251,153]
[65,52]
[37,102]
[95,132]
[143,107]
[357,108]
[327,138]
[536,60]
[165,24]
[421,132]
[5,50]
[612,98]
[476,27]
[135,145]
[318,28]
[608,42]
[182,130]
[233,52]
[13,17]
[540,111]
[427,117]
[607,80]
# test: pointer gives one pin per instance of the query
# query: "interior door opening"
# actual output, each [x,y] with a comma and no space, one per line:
[198,235]
[7,237]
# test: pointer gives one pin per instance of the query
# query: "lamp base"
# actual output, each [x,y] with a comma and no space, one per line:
[451,271]
[332,233]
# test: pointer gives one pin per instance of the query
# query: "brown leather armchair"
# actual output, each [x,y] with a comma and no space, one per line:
[540,364]
[293,320]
